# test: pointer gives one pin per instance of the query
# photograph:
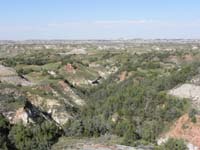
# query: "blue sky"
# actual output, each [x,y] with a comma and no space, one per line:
[99,19]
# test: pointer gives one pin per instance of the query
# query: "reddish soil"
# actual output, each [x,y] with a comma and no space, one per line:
[46,88]
[122,76]
[185,129]
[173,59]
[69,68]
[19,115]
[64,85]
[188,58]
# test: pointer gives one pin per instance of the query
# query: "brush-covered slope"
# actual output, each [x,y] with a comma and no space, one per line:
[84,91]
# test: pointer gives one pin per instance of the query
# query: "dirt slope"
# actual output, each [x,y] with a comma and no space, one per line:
[183,128]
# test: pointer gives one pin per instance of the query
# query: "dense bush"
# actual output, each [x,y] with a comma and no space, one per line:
[36,137]
[4,131]
[192,115]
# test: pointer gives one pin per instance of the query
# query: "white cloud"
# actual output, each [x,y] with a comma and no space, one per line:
[100,22]
[115,22]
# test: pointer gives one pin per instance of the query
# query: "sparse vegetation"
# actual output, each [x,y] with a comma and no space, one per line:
[175,144]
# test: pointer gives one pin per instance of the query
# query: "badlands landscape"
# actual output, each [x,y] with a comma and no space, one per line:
[100,95]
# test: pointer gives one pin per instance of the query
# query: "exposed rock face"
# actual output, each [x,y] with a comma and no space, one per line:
[54,107]
[16,80]
[196,80]
[9,75]
[12,105]
[115,117]
[75,52]
[70,69]
[188,58]
[15,110]
[188,91]
[15,107]
[75,98]
[6,71]
[183,128]
[12,91]
[122,76]
[21,116]
[173,59]
[60,117]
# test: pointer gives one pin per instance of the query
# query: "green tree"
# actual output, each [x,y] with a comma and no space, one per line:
[4,131]
[36,137]
[192,115]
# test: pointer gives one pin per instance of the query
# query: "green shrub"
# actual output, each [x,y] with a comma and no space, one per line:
[36,137]
[173,144]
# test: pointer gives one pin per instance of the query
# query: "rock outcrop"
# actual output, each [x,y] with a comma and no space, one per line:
[10,76]
[55,108]
[189,91]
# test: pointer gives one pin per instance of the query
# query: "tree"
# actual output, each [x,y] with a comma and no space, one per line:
[4,131]
[192,115]
[35,137]
[18,136]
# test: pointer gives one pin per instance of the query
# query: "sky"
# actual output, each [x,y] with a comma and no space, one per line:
[99,19]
